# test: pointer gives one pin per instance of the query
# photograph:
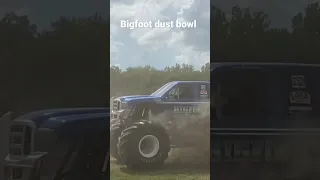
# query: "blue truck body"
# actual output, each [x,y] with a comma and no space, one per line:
[161,100]
[59,118]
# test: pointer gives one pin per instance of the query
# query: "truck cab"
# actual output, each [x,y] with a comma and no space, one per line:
[261,109]
[175,97]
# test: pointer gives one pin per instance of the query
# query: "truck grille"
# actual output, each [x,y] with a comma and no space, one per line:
[116,105]
[20,140]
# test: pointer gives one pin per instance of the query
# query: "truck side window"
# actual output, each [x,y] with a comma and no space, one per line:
[185,92]
[181,92]
[174,93]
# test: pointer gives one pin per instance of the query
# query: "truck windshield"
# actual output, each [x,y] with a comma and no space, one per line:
[161,91]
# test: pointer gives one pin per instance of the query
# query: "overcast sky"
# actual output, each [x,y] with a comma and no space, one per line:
[158,47]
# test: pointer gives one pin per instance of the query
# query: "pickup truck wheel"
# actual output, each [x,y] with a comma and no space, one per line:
[115,132]
[144,146]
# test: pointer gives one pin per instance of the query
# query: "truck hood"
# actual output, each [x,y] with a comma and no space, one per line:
[52,118]
[122,98]
[141,99]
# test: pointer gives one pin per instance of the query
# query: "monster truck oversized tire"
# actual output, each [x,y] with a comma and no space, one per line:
[143,146]
[115,132]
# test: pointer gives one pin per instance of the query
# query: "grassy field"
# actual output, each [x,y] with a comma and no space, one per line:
[172,170]
[169,172]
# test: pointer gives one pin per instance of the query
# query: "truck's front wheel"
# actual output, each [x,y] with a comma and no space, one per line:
[115,132]
[144,146]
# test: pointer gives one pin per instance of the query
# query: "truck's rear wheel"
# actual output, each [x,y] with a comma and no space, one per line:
[144,146]
[115,132]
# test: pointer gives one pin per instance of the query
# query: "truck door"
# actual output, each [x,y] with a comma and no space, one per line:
[182,100]
[183,107]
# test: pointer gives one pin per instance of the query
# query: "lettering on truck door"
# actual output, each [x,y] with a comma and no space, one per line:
[181,103]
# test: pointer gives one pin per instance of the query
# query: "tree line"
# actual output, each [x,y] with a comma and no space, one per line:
[248,36]
[147,79]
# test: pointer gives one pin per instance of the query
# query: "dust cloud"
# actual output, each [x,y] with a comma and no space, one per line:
[194,129]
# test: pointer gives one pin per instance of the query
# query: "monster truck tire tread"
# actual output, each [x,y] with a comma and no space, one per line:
[115,132]
[128,146]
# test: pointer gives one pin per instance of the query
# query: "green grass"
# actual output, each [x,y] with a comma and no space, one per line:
[170,171]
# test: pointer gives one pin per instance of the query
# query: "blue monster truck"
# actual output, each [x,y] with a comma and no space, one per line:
[265,112]
[144,128]
[59,144]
